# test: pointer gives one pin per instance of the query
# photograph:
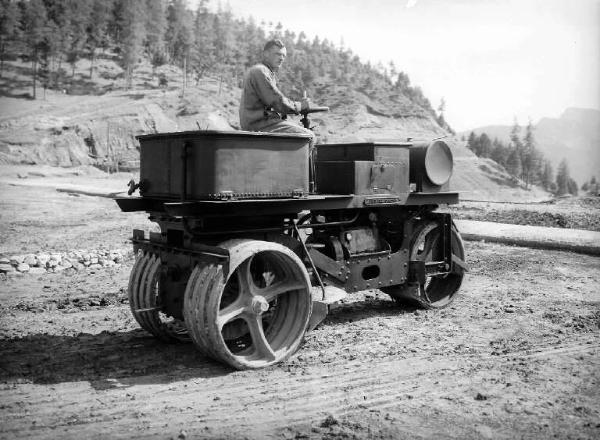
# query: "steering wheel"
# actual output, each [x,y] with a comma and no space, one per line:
[312,109]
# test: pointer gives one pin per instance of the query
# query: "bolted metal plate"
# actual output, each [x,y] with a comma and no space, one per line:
[370,271]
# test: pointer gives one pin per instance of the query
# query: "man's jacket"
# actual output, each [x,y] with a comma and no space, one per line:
[262,102]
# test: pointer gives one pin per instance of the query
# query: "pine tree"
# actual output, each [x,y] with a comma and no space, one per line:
[547,175]
[156,25]
[529,157]
[277,32]
[594,187]
[515,137]
[59,27]
[9,19]
[130,21]
[572,187]
[224,40]
[513,163]
[562,178]
[440,118]
[44,65]
[178,36]
[585,187]
[403,82]
[471,142]
[78,13]
[255,41]
[485,145]
[35,29]
[97,30]
[392,70]
[499,152]
[302,41]
[203,51]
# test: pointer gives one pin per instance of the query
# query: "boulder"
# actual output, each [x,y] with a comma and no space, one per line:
[23,267]
[6,268]
[16,259]
[42,259]
[30,259]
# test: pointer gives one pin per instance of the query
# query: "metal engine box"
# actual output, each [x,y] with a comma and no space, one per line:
[200,165]
[363,168]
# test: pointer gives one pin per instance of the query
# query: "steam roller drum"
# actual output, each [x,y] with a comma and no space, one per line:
[438,291]
[144,300]
[252,312]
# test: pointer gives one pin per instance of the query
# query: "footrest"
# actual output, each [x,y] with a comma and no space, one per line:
[318,314]
[332,294]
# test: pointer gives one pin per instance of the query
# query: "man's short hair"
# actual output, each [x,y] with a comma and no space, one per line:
[275,42]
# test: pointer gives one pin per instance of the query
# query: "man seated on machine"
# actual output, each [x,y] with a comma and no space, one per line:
[263,107]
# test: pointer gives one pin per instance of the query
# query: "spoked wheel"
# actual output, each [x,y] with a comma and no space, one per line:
[438,290]
[144,300]
[253,313]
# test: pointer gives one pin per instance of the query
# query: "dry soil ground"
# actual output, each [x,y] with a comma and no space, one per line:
[517,355]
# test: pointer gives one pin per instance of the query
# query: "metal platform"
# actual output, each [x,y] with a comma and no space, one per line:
[214,208]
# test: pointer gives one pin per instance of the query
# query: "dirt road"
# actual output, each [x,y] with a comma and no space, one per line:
[516,356]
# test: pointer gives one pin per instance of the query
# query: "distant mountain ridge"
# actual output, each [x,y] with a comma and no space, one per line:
[575,136]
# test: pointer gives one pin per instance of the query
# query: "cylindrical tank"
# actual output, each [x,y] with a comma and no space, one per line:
[431,160]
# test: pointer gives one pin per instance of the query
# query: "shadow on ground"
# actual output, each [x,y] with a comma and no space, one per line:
[369,308]
[120,359]
[106,360]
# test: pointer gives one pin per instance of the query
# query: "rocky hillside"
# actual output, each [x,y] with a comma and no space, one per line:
[574,136]
[93,124]
[96,122]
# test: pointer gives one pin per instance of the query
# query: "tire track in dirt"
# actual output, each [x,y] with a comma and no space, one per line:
[344,388]
[241,403]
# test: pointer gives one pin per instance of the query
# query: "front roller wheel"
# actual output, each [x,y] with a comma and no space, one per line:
[144,300]
[439,290]
[253,313]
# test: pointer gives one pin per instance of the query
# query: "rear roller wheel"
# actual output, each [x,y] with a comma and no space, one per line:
[144,300]
[439,290]
[253,313]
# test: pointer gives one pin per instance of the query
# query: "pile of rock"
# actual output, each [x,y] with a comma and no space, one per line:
[57,262]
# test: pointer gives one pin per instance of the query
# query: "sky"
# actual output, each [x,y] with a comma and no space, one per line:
[491,60]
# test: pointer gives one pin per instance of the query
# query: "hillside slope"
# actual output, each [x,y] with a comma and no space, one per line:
[99,124]
[99,127]
[483,179]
